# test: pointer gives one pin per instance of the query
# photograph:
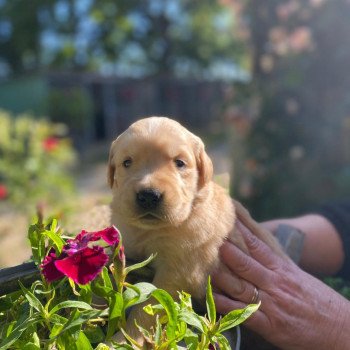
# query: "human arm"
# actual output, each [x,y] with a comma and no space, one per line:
[327,238]
[297,310]
[323,252]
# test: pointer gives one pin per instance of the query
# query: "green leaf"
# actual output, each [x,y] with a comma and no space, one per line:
[57,319]
[9,328]
[165,299]
[94,333]
[83,343]
[137,293]
[116,305]
[67,341]
[81,317]
[102,285]
[39,288]
[191,318]
[55,330]
[131,340]
[5,303]
[211,309]
[153,309]
[37,241]
[31,346]
[236,317]
[181,330]
[56,239]
[35,339]
[105,278]
[140,265]
[53,226]
[86,293]
[72,285]
[158,332]
[131,295]
[33,300]
[17,331]
[191,340]
[149,309]
[69,304]
[146,289]
[34,237]
[185,300]
[223,342]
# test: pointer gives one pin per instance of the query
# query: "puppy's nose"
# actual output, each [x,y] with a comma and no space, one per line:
[148,198]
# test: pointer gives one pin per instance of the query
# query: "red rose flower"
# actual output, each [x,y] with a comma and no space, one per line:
[49,268]
[50,144]
[3,191]
[78,261]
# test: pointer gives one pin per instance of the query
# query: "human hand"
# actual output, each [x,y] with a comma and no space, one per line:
[297,310]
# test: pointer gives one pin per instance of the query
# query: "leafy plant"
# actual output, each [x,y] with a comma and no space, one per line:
[56,312]
[35,159]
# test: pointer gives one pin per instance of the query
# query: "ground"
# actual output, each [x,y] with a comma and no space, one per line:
[92,192]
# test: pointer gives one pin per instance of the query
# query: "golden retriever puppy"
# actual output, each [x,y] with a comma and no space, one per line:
[164,202]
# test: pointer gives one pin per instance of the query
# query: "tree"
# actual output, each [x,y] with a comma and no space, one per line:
[20,30]
[140,37]
[165,37]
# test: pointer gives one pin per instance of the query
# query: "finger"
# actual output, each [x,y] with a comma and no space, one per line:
[258,230]
[259,250]
[258,321]
[233,286]
[245,266]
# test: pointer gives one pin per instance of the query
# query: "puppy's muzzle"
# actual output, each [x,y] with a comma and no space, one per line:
[149,198]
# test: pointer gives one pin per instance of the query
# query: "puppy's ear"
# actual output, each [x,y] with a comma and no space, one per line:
[111,167]
[204,164]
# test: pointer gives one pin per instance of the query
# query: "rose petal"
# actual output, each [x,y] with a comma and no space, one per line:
[83,266]
[84,237]
[81,241]
[49,269]
[110,235]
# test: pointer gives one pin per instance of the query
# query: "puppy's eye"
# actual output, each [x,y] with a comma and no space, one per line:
[180,163]
[127,163]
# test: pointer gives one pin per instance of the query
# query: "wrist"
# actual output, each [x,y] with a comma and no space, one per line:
[333,315]
[342,330]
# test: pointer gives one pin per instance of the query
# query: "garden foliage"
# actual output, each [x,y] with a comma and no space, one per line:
[35,160]
[62,314]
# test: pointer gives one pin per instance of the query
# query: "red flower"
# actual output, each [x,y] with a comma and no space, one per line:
[3,191]
[78,261]
[83,266]
[49,268]
[50,144]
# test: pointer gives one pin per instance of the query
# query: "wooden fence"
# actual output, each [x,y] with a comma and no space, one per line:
[118,102]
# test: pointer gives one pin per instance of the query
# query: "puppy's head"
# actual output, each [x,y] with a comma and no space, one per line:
[156,170]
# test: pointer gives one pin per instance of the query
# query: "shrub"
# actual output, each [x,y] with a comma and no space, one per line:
[35,159]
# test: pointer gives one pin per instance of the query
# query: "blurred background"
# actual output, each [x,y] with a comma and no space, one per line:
[265,83]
